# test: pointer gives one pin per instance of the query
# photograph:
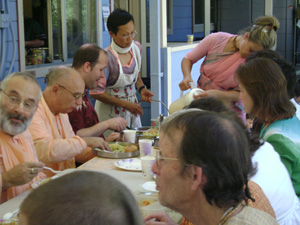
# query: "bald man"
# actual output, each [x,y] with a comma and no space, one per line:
[55,142]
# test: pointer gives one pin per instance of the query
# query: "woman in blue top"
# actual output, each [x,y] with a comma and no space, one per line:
[264,95]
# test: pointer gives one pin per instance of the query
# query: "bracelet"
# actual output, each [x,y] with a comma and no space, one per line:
[142,87]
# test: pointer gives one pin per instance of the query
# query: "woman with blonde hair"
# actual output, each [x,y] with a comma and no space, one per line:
[223,54]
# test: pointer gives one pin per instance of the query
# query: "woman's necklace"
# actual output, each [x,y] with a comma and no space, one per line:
[228,213]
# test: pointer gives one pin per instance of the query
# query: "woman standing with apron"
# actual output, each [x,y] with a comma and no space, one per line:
[122,75]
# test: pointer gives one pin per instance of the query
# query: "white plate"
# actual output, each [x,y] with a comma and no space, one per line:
[149,186]
[129,164]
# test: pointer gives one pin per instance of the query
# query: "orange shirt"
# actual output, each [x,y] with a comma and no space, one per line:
[54,139]
[15,150]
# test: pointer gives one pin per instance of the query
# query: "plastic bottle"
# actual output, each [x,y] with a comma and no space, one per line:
[186,99]
[38,55]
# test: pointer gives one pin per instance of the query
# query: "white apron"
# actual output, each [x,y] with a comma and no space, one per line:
[123,89]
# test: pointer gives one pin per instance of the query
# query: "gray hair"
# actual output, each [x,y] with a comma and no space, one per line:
[218,144]
[25,76]
[86,198]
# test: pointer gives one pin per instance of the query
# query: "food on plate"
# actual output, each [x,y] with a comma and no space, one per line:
[146,200]
[117,147]
[9,222]
[151,132]
[131,148]
[121,148]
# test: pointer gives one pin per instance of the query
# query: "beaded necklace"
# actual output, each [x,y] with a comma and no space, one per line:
[228,213]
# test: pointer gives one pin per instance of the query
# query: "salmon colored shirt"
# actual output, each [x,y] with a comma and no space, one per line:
[261,202]
[54,139]
[15,150]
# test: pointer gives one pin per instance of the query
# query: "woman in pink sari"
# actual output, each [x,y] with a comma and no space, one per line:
[224,52]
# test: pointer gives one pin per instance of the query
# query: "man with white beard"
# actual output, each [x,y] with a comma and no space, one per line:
[19,167]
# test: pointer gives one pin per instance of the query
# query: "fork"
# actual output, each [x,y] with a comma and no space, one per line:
[52,170]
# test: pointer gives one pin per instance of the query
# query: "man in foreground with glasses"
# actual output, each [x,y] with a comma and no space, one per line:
[53,136]
[19,166]
[202,170]
[90,62]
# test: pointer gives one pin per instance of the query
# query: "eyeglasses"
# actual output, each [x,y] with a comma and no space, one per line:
[129,35]
[28,106]
[75,95]
[159,159]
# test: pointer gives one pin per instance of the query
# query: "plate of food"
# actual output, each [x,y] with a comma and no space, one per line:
[119,150]
[129,164]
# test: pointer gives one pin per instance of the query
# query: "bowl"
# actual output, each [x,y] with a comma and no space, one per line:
[116,155]
[145,199]
[148,203]
[142,128]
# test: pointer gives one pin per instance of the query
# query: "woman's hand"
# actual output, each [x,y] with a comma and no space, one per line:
[134,108]
[186,67]
[211,93]
[159,218]
[184,84]
[146,95]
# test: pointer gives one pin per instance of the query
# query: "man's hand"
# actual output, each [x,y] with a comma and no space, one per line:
[96,142]
[21,174]
[116,124]
[146,95]
[113,137]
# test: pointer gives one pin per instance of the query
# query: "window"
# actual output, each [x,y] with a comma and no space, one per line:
[198,15]
[66,24]
[170,17]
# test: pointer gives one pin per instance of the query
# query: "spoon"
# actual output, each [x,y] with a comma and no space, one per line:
[52,170]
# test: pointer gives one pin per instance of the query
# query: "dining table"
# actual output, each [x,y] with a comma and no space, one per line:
[132,179]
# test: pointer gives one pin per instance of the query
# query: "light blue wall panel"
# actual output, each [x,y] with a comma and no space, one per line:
[106,37]
[41,82]
[177,76]
[9,41]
